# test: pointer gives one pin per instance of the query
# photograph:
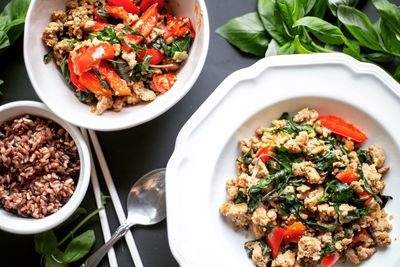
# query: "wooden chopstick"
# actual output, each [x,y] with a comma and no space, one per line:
[105,227]
[115,198]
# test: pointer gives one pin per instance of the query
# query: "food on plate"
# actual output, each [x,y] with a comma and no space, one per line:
[308,193]
[118,52]
[39,166]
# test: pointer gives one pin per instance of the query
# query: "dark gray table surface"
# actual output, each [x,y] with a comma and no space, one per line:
[133,152]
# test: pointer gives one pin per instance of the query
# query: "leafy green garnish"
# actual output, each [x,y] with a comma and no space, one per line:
[84,96]
[241,198]
[72,42]
[364,157]
[129,30]
[48,56]
[324,162]
[178,45]
[65,70]
[292,127]
[320,226]
[108,34]
[103,13]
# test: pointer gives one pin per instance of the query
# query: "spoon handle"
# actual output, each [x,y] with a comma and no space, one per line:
[96,257]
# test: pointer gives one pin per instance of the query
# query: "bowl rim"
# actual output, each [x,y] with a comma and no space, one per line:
[180,158]
[53,220]
[126,124]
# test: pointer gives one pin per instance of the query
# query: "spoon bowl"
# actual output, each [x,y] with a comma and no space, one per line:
[145,206]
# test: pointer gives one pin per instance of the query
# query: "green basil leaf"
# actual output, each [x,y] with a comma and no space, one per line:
[287,49]
[334,4]
[4,20]
[324,31]
[79,246]
[290,11]
[45,243]
[308,5]
[390,14]
[123,69]
[246,33]
[300,47]
[272,21]
[352,49]
[360,27]
[16,9]
[379,57]
[129,30]
[389,37]
[319,8]
[273,48]
[54,260]
[1,82]
[48,56]
[4,41]
[65,70]
[108,34]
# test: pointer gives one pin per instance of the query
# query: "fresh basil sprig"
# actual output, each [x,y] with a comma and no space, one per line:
[49,247]
[289,26]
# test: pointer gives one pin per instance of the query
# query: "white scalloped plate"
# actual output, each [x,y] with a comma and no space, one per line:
[207,146]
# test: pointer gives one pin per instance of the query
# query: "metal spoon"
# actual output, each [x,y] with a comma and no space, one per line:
[145,205]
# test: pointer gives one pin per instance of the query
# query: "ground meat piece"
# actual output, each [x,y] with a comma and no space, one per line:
[377,154]
[373,177]
[237,213]
[257,231]
[379,231]
[321,130]
[292,146]
[58,16]
[349,145]
[260,167]
[287,259]
[118,104]
[326,212]
[279,123]
[130,58]
[306,115]
[104,103]
[60,50]
[325,238]
[309,249]
[307,170]
[143,93]
[302,138]
[245,145]
[303,191]
[311,201]
[51,32]
[353,161]
[345,209]
[258,256]
[263,217]
[357,186]
[359,254]
[316,146]
[233,186]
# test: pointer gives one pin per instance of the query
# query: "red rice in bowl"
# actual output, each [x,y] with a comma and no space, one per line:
[39,166]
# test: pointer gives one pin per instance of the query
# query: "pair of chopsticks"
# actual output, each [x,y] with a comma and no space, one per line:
[114,197]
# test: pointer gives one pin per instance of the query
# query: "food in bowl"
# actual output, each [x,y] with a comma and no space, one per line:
[308,193]
[118,52]
[39,166]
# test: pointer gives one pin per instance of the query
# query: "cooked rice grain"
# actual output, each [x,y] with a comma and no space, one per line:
[39,165]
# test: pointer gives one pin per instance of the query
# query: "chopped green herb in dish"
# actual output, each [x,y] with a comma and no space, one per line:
[308,193]
[116,53]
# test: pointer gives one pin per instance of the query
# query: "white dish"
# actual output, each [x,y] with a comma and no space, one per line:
[50,85]
[207,146]
[16,224]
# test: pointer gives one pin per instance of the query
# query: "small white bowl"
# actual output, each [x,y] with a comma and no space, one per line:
[50,85]
[16,224]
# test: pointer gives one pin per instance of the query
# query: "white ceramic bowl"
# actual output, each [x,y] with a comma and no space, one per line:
[15,224]
[50,86]
[249,98]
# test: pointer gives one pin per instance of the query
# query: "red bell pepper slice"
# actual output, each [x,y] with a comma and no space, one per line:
[330,259]
[128,5]
[92,56]
[357,238]
[118,84]
[163,82]
[347,176]
[72,75]
[91,82]
[343,128]
[177,27]
[131,38]
[147,21]
[263,153]
[367,195]
[99,26]
[156,56]
[117,12]
[145,4]
[293,232]
[274,240]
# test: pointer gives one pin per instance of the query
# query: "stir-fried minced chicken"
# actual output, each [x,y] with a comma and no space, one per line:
[118,53]
[307,195]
